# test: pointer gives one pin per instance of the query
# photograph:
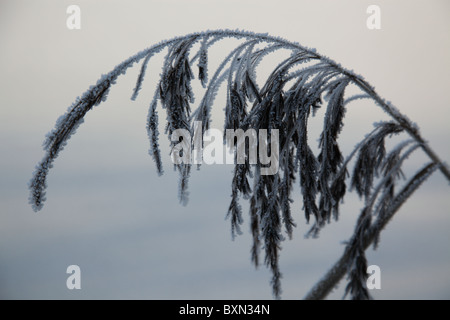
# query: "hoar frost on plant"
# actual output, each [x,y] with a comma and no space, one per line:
[283,103]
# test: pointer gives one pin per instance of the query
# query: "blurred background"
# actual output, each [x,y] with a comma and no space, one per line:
[109,212]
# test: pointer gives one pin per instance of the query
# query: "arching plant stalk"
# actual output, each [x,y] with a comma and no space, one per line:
[295,89]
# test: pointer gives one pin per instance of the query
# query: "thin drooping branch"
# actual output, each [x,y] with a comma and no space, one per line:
[411,128]
[331,279]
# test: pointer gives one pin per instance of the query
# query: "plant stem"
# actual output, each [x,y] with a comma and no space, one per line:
[362,84]
[329,281]
[404,122]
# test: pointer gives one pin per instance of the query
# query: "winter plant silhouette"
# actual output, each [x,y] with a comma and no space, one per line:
[291,94]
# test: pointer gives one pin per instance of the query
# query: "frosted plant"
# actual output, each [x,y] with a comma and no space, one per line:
[295,89]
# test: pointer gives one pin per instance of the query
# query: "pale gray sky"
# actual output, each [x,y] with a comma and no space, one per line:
[108,211]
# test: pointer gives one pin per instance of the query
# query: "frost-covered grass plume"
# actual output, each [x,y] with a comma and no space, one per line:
[282,104]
